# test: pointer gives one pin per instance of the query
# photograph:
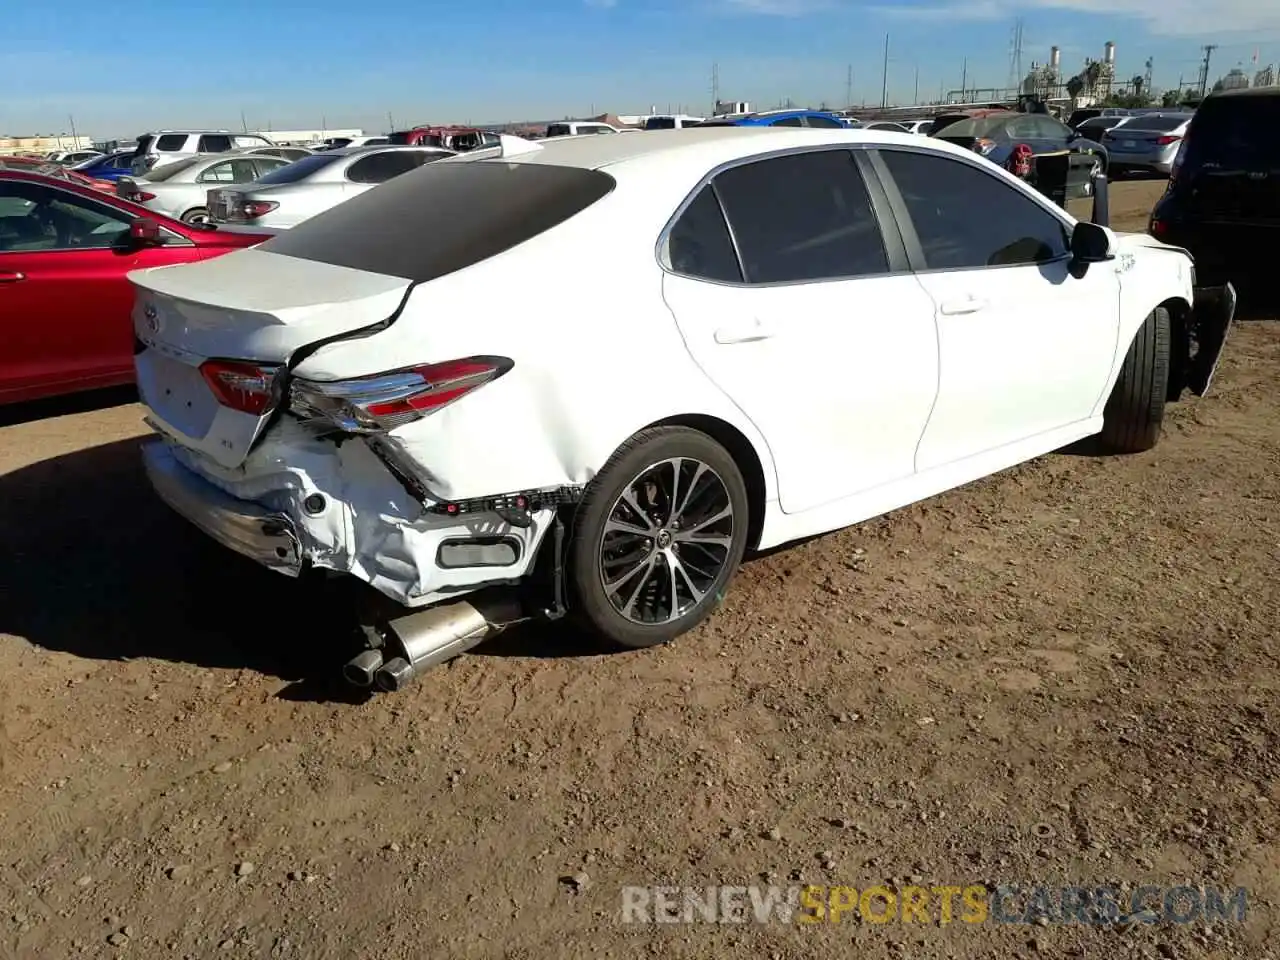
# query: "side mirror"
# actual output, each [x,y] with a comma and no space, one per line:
[1091,243]
[144,232]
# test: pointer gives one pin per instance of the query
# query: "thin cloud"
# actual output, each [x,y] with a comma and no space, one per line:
[780,8]
[1172,18]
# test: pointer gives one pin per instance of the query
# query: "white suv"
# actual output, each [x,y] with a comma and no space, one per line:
[165,146]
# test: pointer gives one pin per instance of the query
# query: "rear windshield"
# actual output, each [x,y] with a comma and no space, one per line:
[1160,124]
[443,217]
[974,126]
[299,169]
[143,143]
[167,170]
[400,138]
[1238,132]
[660,123]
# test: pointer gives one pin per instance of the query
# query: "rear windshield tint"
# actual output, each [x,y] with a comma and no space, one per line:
[660,123]
[443,217]
[299,169]
[401,138]
[1239,132]
[166,170]
[559,130]
[1158,124]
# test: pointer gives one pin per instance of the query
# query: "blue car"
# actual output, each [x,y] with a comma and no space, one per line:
[111,166]
[779,118]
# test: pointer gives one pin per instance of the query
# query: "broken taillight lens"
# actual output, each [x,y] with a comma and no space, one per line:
[388,400]
[243,386]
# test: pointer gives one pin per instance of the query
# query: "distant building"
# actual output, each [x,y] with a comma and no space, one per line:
[1266,77]
[44,144]
[1235,79]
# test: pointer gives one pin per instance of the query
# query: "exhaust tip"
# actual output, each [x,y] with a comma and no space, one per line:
[394,675]
[360,669]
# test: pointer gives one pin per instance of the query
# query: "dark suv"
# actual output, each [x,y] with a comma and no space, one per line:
[1223,199]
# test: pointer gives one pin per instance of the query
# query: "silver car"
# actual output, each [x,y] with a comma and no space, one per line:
[1148,143]
[313,184]
[179,189]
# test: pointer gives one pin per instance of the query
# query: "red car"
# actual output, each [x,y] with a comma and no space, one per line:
[65,304]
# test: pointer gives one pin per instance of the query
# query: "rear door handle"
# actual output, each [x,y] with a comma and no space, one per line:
[11,276]
[744,333]
[955,308]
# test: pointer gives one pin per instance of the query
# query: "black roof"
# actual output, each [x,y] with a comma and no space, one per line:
[1247,92]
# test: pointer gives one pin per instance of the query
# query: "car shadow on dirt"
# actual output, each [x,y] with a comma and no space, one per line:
[15,413]
[96,566]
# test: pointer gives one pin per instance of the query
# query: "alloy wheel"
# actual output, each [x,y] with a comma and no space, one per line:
[667,540]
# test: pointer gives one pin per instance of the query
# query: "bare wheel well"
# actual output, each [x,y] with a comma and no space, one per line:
[744,455]
[1180,361]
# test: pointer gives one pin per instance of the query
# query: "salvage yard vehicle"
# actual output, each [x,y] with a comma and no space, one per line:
[289,195]
[170,146]
[65,302]
[333,399]
[181,189]
[1223,198]
[1146,144]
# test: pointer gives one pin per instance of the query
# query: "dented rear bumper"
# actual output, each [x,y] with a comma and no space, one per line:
[1212,313]
[302,501]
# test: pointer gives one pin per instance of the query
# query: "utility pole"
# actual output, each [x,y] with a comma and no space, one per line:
[244,127]
[715,88]
[916,99]
[964,82]
[1204,67]
[848,86]
[884,77]
[391,124]
[74,139]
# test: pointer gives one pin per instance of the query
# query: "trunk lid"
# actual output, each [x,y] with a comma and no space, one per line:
[249,305]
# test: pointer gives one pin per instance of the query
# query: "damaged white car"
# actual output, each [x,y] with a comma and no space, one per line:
[815,327]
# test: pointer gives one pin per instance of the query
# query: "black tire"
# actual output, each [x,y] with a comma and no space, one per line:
[703,569]
[196,215]
[1135,410]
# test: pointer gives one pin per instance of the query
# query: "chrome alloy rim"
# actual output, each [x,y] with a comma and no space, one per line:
[666,541]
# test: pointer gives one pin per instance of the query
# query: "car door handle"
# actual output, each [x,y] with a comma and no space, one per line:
[955,308]
[744,333]
[11,276]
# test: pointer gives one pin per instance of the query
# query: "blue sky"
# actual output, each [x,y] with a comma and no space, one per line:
[290,64]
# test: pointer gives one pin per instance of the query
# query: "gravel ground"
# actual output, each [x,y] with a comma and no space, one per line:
[1066,674]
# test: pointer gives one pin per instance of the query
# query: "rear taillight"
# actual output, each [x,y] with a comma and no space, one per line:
[240,385]
[1158,228]
[141,196]
[252,209]
[385,401]
[983,146]
[1166,140]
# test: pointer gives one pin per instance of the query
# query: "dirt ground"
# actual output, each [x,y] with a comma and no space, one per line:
[1066,674]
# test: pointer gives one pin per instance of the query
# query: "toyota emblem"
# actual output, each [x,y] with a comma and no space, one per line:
[152,317]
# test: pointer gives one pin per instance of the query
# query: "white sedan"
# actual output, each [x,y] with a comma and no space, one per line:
[819,326]
[316,183]
[180,189]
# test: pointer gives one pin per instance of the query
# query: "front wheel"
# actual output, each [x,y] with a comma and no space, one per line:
[1135,410]
[657,537]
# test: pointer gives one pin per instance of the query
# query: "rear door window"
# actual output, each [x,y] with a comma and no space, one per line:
[171,142]
[802,217]
[215,143]
[699,244]
[825,122]
[559,130]
[263,165]
[789,122]
[240,170]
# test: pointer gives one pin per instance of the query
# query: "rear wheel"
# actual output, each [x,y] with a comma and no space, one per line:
[196,215]
[1135,409]
[657,537]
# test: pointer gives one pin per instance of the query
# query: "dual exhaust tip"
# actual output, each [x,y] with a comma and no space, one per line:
[413,644]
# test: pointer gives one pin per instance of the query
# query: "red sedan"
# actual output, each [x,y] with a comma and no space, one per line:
[65,304]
